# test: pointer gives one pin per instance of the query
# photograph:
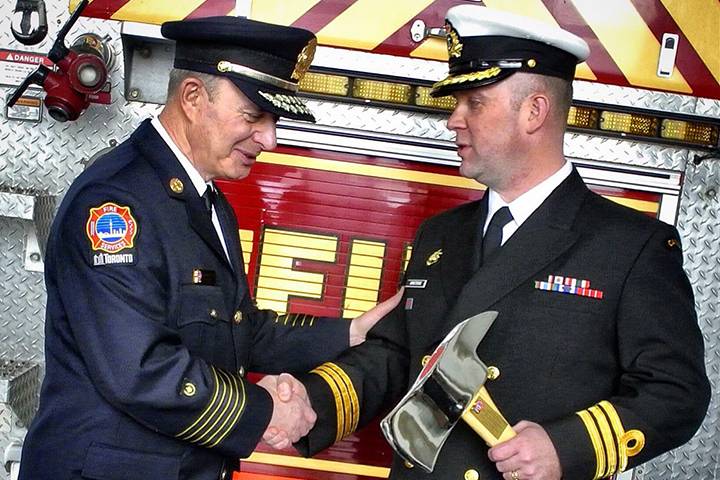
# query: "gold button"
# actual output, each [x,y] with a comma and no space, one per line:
[472,474]
[189,389]
[213,313]
[408,464]
[238,316]
[532,63]
[241,371]
[493,372]
[424,360]
[176,185]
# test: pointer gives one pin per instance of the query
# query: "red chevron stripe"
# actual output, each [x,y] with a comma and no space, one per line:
[103,8]
[696,73]
[600,61]
[210,8]
[400,43]
[322,14]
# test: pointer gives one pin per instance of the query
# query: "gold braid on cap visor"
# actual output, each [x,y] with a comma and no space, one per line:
[468,77]
[225,66]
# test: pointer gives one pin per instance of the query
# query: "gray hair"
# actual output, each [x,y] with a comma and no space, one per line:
[177,75]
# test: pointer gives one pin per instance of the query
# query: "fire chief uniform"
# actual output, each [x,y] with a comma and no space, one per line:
[146,346]
[596,338]
[614,379]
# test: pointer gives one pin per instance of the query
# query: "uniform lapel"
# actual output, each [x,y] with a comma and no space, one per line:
[232,240]
[460,250]
[542,238]
[159,155]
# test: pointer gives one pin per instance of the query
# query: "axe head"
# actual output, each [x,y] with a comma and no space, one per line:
[421,422]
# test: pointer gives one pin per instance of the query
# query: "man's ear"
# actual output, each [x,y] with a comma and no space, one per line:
[537,111]
[192,95]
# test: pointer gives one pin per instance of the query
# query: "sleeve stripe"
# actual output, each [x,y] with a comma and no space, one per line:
[596,442]
[613,445]
[339,408]
[354,403]
[346,399]
[294,318]
[608,439]
[207,409]
[345,403]
[199,431]
[221,414]
[232,418]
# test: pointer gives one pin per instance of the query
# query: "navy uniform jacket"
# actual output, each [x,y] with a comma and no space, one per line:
[614,380]
[149,330]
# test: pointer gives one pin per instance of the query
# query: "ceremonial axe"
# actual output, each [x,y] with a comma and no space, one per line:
[449,387]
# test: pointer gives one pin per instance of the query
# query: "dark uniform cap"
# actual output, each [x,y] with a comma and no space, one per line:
[263,60]
[486,46]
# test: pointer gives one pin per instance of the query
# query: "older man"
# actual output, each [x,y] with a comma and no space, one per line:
[150,324]
[604,374]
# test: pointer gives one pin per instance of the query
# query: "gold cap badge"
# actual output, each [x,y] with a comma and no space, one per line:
[176,185]
[304,60]
[434,257]
[453,41]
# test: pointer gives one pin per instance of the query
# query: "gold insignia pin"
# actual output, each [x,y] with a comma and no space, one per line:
[672,243]
[434,257]
[176,185]
[453,41]
[304,60]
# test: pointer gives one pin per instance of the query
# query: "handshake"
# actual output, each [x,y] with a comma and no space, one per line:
[292,416]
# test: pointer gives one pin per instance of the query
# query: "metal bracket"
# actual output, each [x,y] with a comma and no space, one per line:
[419,31]
[36,211]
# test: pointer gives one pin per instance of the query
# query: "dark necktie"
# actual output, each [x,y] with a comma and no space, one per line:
[494,233]
[209,197]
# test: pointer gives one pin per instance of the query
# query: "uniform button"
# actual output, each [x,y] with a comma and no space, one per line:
[189,389]
[241,371]
[493,372]
[424,360]
[238,316]
[213,313]
[472,474]
[408,464]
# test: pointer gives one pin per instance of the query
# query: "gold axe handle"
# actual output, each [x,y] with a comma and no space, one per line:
[483,416]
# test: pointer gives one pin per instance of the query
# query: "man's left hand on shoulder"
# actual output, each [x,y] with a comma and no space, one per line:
[530,455]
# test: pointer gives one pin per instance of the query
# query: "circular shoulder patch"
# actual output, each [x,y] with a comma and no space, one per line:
[111,228]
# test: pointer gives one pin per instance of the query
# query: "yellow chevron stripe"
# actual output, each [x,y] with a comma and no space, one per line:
[280,12]
[699,20]
[156,11]
[368,22]
[432,49]
[640,205]
[537,10]
[618,24]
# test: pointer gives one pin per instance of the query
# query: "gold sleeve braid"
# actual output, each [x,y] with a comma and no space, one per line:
[612,444]
[296,319]
[347,406]
[221,414]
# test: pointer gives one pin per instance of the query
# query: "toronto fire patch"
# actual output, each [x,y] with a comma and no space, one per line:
[111,229]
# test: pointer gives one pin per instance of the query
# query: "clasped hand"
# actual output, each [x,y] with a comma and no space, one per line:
[292,416]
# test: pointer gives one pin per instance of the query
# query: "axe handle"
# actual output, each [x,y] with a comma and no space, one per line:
[483,416]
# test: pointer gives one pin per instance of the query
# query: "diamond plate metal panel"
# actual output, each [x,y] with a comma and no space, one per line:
[19,384]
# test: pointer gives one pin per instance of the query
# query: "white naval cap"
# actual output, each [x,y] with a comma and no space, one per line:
[487,45]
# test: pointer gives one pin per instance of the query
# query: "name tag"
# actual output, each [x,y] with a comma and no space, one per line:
[416,283]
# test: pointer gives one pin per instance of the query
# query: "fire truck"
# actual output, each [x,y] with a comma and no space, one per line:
[327,220]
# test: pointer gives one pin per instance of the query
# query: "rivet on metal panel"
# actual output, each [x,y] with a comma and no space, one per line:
[711,193]
[135,93]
